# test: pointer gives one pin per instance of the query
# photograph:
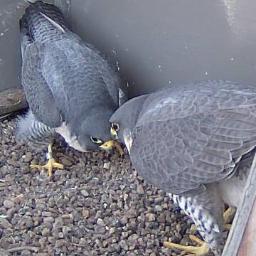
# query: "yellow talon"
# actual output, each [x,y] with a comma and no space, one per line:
[229,215]
[50,164]
[200,250]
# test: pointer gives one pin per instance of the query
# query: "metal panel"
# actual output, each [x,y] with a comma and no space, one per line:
[156,43]
[172,41]
[10,60]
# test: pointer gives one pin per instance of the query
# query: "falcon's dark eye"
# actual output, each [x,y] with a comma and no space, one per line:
[96,140]
[115,127]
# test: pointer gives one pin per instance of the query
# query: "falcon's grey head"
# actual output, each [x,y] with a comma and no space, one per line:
[94,130]
[124,120]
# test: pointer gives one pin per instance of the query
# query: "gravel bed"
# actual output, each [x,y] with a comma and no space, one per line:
[97,205]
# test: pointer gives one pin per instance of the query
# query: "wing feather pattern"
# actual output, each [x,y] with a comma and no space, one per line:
[192,136]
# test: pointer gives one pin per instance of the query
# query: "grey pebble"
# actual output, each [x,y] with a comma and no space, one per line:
[48,220]
[8,204]
[100,222]
[140,189]
[84,193]
[4,223]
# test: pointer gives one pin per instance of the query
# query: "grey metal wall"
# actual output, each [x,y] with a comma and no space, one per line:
[156,43]
[10,62]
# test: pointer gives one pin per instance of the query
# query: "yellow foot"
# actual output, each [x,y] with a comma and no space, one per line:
[227,227]
[50,164]
[200,250]
[229,215]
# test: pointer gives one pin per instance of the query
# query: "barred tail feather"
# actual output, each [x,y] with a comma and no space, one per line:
[31,130]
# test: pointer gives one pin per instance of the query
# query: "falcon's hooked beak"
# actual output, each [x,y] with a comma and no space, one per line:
[112,144]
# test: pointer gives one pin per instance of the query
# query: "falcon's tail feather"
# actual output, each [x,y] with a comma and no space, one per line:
[31,130]
[205,207]
[41,22]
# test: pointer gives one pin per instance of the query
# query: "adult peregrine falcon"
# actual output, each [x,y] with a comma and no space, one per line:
[71,89]
[195,142]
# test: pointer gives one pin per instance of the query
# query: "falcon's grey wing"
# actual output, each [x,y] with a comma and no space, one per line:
[194,137]
[83,68]
[38,93]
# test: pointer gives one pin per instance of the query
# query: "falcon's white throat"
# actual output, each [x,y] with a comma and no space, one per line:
[72,141]
[128,139]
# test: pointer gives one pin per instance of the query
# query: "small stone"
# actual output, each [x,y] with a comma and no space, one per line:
[19,199]
[112,230]
[125,234]
[66,162]
[25,253]
[178,227]
[58,223]
[48,220]
[158,208]
[60,243]
[106,165]
[100,222]
[124,220]
[133,237]
[8,204]
[82,241]
[11,162]
[123,245]
[28,157]
[84,193]
[150,217]
[45,232]
[66,230]
[104,243]
[4,223]
[140,189]
[46,214]
[60,235]
[86,213]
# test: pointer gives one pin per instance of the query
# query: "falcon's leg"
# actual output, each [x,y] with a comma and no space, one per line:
[35,133]
[206,209]
[50,164]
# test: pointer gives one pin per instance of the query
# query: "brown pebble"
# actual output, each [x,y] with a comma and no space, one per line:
[66,162]
[86,213]
[150,217]
[45,232]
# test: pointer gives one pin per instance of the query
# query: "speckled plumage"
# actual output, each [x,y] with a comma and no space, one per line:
[189,141]
[66,80]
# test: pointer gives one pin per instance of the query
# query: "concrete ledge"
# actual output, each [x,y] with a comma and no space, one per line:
[12,100]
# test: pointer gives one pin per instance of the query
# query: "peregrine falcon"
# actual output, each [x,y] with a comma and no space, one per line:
[70,87]
[196,142]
